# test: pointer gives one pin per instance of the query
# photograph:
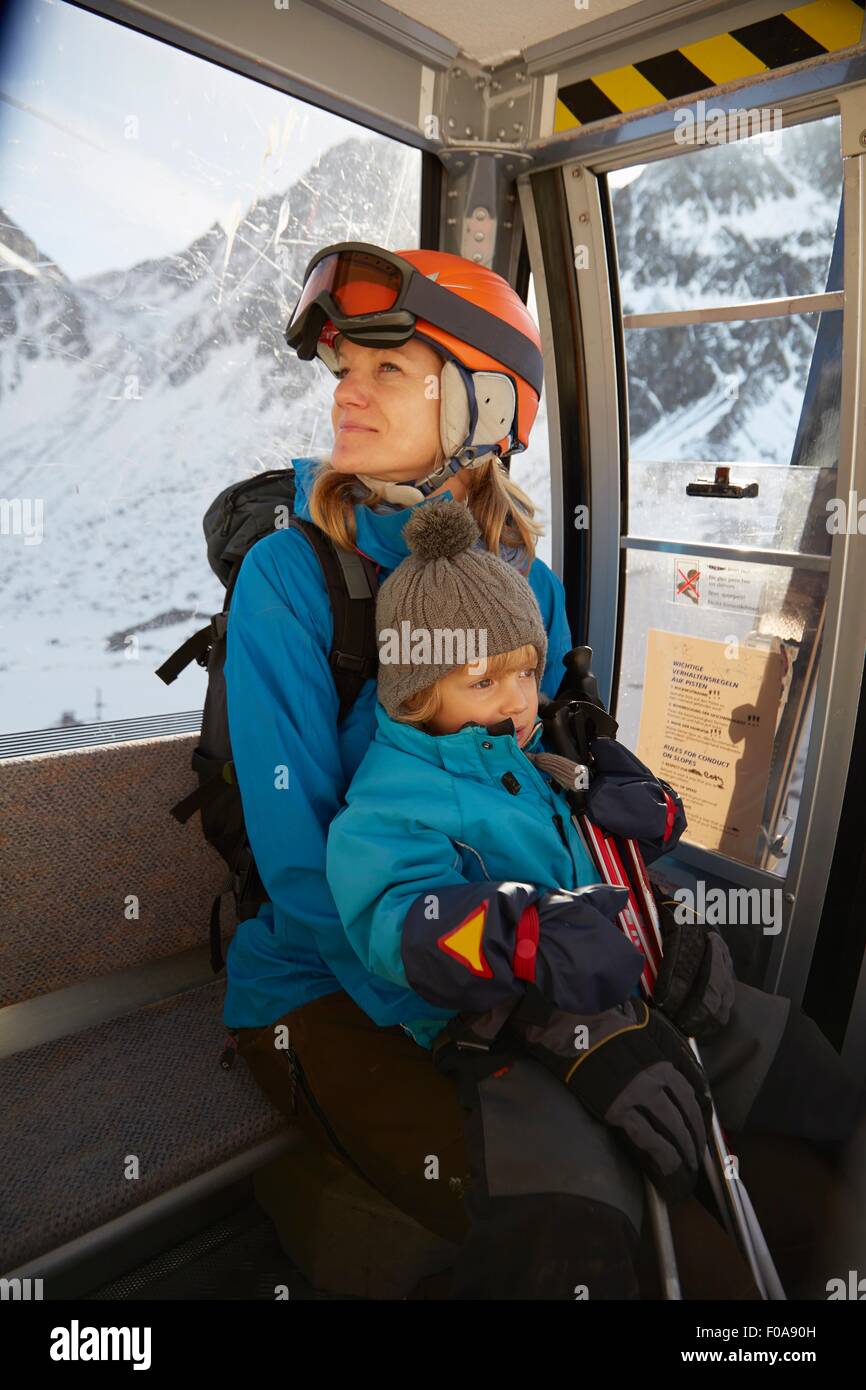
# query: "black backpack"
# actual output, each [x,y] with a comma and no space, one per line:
[239,517]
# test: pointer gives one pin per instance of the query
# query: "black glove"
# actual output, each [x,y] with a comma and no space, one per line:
[633,1070]
[696,983]
[471,1046]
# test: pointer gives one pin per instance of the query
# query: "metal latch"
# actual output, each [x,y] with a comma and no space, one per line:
[721,486]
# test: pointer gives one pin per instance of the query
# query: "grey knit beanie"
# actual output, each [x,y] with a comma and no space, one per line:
[448,604]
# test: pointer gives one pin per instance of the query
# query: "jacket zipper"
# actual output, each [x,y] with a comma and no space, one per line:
[557,821]
[463,845]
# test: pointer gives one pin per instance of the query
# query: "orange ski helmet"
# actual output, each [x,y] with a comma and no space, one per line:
[491,292]
[480,325]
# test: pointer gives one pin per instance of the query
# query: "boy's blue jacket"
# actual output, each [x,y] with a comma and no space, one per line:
[426,816]
[294,765]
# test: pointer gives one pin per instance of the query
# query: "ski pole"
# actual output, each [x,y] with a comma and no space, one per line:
[731,1195]
[656,1206]
[733,1200]
[661,1224]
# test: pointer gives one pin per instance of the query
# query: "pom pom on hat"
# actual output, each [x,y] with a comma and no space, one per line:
[440,531]
[448,585]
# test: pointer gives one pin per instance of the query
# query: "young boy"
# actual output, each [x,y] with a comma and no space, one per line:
[457,872]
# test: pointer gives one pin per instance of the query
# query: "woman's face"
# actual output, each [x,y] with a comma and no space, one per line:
[466,695]
[386,410]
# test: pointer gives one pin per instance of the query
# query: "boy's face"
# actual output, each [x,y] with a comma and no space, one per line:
[470,696]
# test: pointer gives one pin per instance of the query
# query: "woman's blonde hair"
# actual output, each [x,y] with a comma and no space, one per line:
[424,705]
[503,510]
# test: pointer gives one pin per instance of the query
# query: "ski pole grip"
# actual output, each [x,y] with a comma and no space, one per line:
[578,681]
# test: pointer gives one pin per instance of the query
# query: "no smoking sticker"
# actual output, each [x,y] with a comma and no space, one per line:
[711,583]
[687,585]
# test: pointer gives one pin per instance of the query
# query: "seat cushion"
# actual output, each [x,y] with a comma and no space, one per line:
[96,1123]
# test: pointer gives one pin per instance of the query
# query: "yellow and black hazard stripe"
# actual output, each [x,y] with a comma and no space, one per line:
[808,31]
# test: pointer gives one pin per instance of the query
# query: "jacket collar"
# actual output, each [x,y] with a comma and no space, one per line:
[457,751]
[379,531]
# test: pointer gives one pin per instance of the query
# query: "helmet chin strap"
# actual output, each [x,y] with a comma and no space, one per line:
[406,494]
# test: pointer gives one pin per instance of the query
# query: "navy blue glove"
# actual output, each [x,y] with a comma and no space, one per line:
[626,799]
[474,946]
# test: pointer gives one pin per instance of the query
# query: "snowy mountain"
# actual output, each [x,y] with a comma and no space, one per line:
[129,399]
[726,224]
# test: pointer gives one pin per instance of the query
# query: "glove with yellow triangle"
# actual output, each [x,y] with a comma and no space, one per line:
[475,946]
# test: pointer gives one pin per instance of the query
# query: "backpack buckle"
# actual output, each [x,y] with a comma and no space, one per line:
[217,625]
[349,662]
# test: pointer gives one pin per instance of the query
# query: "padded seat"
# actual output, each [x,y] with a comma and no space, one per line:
[95,1077]
[147,1086]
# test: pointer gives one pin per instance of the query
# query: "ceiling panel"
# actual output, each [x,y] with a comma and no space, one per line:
[491,31]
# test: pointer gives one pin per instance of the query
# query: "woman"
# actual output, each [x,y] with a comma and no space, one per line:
[419,411]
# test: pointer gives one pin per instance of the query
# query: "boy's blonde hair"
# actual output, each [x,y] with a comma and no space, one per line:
[503,510]
[424,705]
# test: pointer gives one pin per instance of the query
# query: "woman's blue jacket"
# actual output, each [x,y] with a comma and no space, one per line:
[294,765]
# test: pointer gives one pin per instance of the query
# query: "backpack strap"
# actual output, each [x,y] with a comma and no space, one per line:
[195,648]
[352,583]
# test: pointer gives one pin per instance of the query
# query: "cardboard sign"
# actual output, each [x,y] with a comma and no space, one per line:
[707,726]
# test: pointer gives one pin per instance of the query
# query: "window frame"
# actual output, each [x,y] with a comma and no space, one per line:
[584,308]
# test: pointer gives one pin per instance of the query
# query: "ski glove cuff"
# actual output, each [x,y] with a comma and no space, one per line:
[634,1071]
[696,984]
[473,946]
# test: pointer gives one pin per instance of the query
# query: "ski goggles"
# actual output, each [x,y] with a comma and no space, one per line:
[374,298]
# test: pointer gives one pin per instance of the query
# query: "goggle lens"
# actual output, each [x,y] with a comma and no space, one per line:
[364,284]
[358,282]
[320,279]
